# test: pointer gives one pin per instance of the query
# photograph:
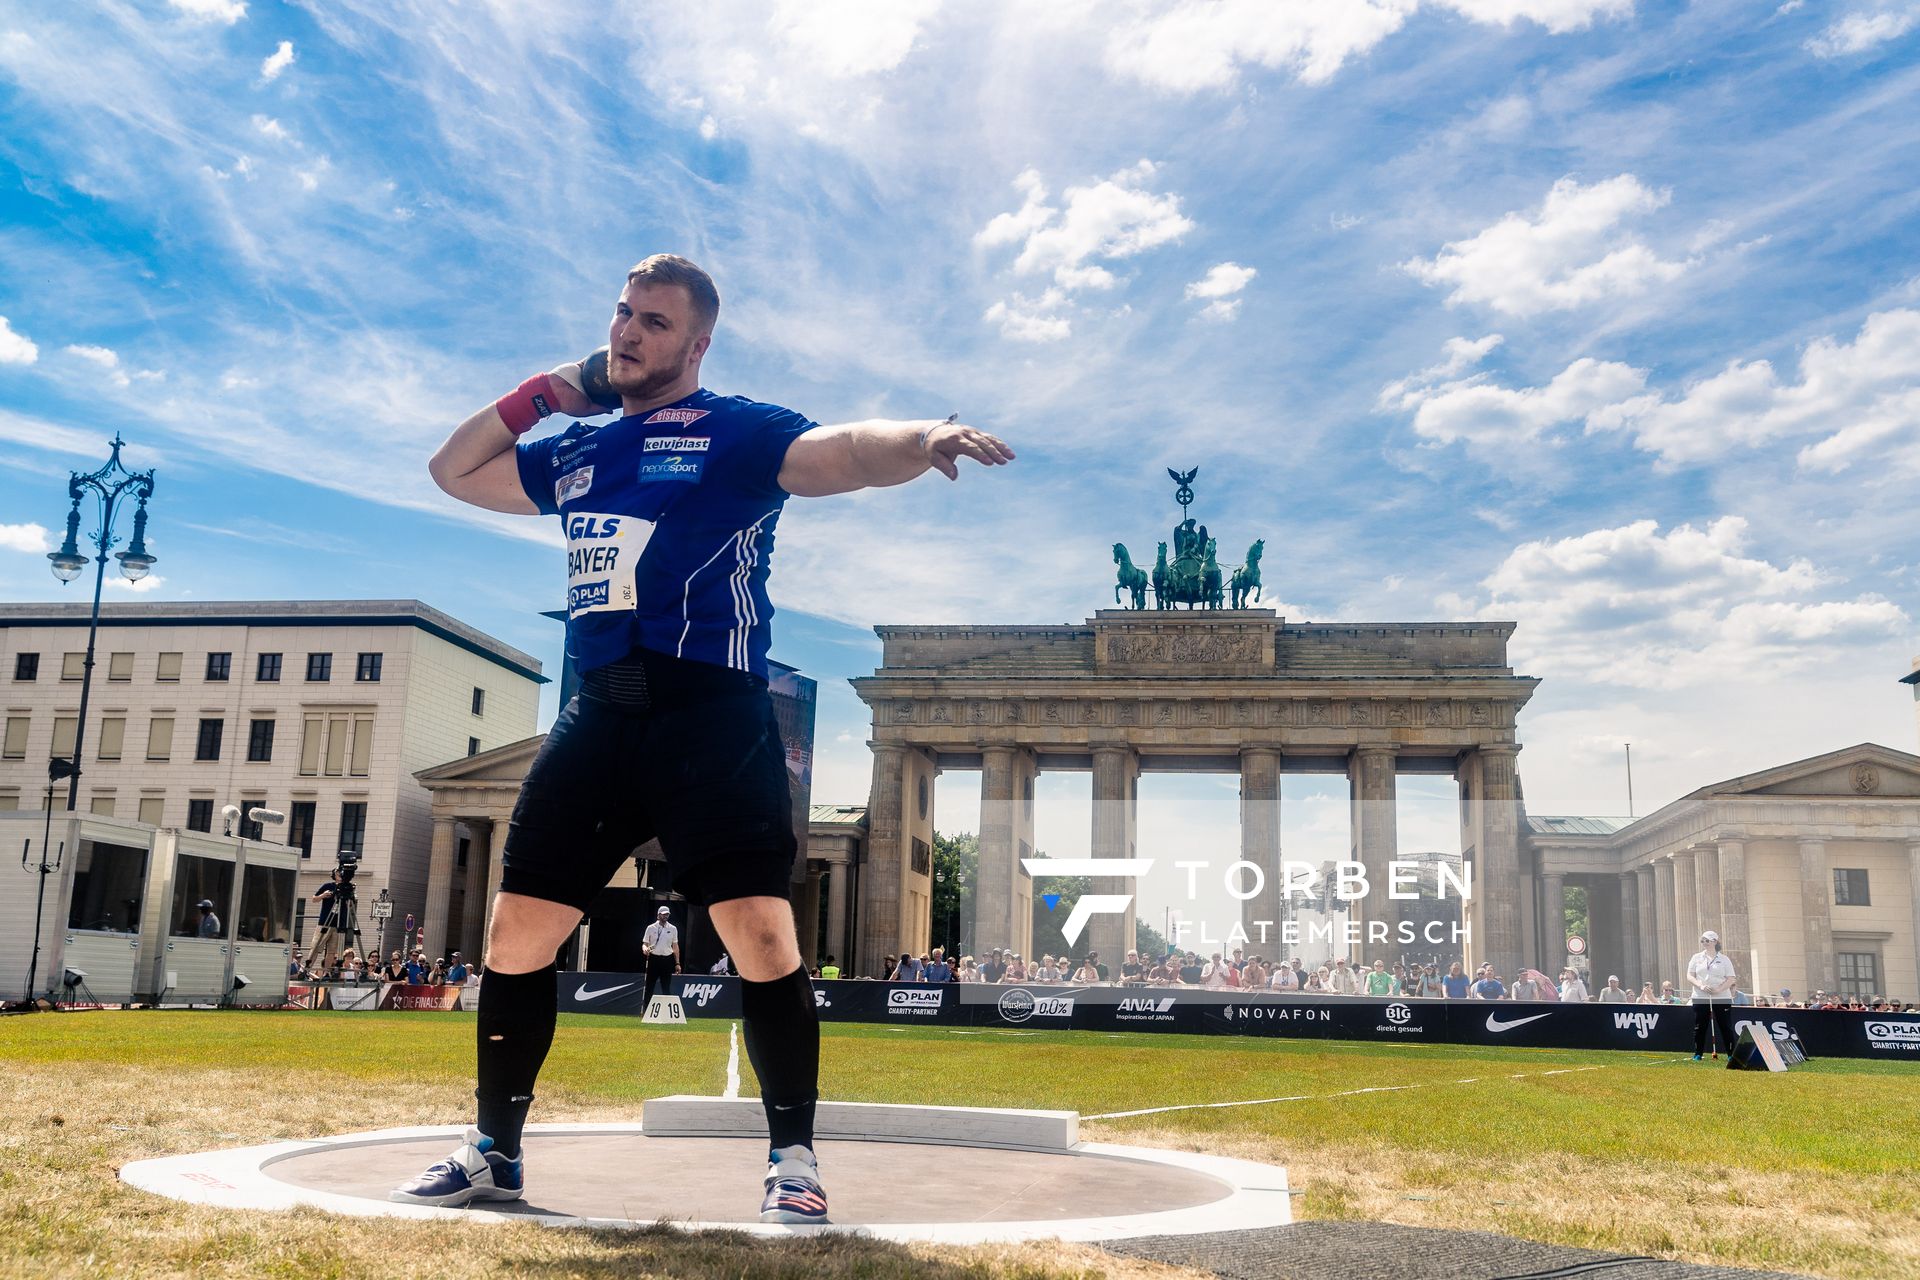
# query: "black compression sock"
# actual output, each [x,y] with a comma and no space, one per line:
[515,1030]
[783,1044]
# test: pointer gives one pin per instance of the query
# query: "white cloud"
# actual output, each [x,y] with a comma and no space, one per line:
[227,11]
[1184,46]
[268,127]
[1863,397]
[1027,319]
[1566,254]
[105,358]
[844,38]
[1863,30]
[1111,220]
[277,61]
[1222,281]
[1633,606]
[29,538]
[1448,408]
[16,348]
[152,582]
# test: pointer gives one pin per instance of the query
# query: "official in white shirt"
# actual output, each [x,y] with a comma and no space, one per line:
[662,945]
[1710,973]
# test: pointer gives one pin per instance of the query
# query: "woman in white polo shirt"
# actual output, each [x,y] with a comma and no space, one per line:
[1710,974]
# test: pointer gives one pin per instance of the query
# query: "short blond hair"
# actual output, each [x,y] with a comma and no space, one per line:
[671,268]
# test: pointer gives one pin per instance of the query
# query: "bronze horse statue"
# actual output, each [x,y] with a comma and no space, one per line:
[1246,579]
[1133,580]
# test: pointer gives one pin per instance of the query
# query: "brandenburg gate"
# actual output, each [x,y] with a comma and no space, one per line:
[1199,690]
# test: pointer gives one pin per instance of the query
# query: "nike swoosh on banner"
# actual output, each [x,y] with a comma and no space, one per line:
[1494,1023]
[588,993]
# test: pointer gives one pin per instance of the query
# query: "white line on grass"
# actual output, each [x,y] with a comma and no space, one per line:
[733,1061]
[1314,1097]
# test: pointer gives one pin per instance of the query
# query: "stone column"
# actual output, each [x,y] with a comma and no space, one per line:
[1706,887]
[496,861]
[1260,845]
[1649,970]
[809,932]
[836,943]
[1816,917]
[995,901]
[879,913]
[473,906]
[1498,879]
[1913,901]
[439,903]
[1627,888]
[1376,843]
[1553,923]
[1735,938]
[1663,923]
[1686,916]
[1115,771]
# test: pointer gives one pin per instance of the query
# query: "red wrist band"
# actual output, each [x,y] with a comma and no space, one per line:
[526,404]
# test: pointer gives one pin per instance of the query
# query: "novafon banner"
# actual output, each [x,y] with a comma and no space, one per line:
[1656,1028]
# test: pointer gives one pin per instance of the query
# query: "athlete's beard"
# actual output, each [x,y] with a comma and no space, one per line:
[647,384]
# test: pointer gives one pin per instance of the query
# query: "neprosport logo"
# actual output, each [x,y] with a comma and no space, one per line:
[1020,1004]
[915,1003]
[673,467]
[1639,1022]
[699,993]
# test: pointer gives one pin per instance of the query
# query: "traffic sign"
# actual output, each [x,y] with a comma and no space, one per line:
[382,908]
[1576,945]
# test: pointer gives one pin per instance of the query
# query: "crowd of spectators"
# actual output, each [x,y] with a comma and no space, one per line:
[413,969]
[1288,975]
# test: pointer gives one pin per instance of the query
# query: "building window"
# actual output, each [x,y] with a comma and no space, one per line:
[1850,887]
[119,666]
[196,879]
[249,829]
[152,810]
[336,744]
[299,921]
[16,743]
[73,666]
[101,806]
[26,666]
[65,728]
[160,738]
[219,666]
[199,815]
[460,852]
[922,857]
[260,740]
[319,667]
[367,669]
[113,737]
[208,746]
[473,746]
[1859,973]
[479,701]
[267,669]
[300,826]
[169,668]
[353,826]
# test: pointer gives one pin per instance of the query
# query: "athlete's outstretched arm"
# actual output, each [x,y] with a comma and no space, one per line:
[476,464]
[873,455]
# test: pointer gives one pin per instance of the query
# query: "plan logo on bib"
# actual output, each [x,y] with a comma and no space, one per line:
[602,553]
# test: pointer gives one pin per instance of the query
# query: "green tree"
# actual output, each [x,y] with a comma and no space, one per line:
[1147,940]
[1578,918]
[956,875]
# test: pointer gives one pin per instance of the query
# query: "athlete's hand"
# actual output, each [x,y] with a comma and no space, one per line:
[573,387]
[952,440]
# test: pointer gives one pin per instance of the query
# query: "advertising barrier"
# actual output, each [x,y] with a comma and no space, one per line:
[1661,1028]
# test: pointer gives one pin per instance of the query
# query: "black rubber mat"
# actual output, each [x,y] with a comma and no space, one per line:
[1384,1251]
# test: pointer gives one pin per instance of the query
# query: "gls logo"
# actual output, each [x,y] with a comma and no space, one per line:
[583,528]
[1641,1022]
[1778,1030]
[1090,904]
[699,992]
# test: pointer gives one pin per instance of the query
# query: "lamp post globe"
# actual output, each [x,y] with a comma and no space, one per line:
[67,565]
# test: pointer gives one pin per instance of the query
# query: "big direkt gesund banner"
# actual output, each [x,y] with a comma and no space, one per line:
[1662,1028]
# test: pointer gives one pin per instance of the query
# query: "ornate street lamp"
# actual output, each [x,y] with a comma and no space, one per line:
[109,484]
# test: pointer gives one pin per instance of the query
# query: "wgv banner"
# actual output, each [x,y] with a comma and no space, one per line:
[1658,1028]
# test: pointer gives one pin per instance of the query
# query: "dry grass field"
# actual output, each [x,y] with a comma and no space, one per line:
[1813,1171]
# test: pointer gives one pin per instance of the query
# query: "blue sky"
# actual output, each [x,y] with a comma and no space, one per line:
[1602,316]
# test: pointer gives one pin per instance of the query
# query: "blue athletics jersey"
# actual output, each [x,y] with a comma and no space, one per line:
[669,520]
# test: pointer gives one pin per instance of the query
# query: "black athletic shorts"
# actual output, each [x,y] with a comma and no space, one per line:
[656,746]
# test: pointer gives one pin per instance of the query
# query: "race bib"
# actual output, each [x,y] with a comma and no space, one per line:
[602,553]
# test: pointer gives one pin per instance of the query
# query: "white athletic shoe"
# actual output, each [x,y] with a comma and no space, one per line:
[475,1171]
[793,1186]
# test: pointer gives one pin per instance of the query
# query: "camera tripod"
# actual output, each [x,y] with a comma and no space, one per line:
[343,922]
